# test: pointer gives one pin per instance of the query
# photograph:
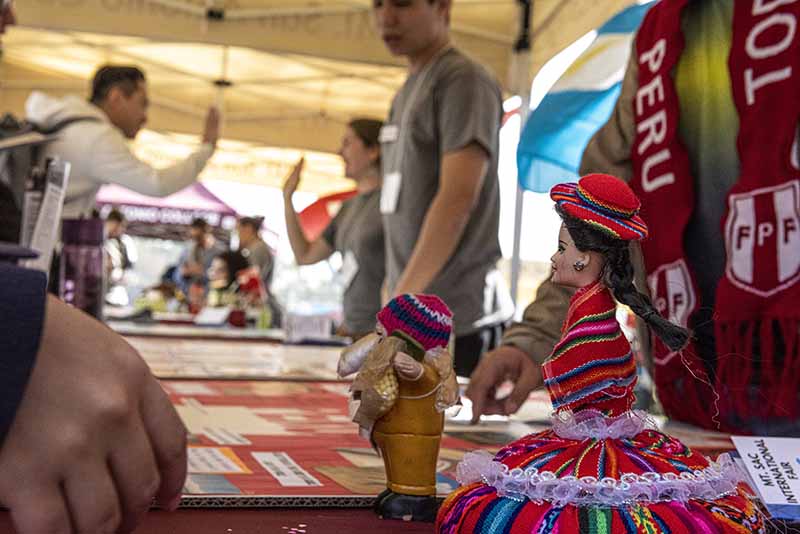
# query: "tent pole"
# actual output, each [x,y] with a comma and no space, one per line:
[516,262]
[521,48]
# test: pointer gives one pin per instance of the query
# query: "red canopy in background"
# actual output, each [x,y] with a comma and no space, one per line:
[315,218]
[168,217]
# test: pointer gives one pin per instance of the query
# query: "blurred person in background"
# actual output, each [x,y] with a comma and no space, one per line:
[202,248]
[223,284]
[120,256]
[356,231]
[95,139]
[255,249]
[441,195]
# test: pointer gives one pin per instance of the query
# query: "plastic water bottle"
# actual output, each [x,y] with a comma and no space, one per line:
[81,273]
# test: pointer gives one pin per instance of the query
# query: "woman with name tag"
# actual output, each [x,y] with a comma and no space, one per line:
[356,231]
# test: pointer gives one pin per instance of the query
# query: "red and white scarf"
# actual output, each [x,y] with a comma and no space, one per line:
[758,298]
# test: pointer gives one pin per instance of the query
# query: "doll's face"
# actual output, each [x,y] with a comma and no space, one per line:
[566,258]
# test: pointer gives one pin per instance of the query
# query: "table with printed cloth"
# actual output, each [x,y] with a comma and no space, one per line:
[283,456]
[279,454]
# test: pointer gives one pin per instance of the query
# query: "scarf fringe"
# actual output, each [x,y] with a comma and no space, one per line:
[763,385]
[789,385]
[735,367]
[685,390]
[749,384]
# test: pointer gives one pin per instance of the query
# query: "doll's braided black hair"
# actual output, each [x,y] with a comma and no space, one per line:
[618,276]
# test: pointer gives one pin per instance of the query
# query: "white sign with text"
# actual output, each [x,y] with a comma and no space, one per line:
[774,466]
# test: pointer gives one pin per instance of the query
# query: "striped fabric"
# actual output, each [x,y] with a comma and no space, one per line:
[426,318]
[592,366]
[477,508]
[602,201]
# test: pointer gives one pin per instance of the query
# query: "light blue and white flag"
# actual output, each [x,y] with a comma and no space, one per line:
[558,130]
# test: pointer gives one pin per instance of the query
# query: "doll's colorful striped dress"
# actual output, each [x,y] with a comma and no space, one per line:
[599,469]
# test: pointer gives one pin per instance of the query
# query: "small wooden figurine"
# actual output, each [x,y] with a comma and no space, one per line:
[405,382]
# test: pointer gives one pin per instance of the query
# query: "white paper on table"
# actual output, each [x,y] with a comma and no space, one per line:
[212,316]
[198,418]
[774,466]
[304,327]
[191,388]
[285,470]
[223,436]
[214,460]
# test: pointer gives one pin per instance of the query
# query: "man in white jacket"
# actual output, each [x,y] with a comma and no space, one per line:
[96,147]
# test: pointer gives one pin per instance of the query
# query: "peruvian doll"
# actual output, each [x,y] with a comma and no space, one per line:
[602,468]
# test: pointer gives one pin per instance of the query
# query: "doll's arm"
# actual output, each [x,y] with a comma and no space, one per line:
[407,367]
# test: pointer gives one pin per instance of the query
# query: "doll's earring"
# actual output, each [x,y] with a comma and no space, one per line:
[579,265]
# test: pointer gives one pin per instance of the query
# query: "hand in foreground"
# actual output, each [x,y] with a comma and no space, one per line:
[293,180]
[95,438]
[211,128]
[503,363]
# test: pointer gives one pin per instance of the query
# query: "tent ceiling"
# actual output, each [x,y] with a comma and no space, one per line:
[283,100]
[244,162]
[330,29]
[299,69]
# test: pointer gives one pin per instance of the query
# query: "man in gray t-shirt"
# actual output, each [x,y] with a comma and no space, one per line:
[440,197]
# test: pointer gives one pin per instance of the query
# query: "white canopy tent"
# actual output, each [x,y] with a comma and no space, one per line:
[288,73]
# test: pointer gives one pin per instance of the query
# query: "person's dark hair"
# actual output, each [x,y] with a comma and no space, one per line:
[107,77]
[618,276]
[200,224]
[235,262]
[253,222]
[116,216]
[369,131]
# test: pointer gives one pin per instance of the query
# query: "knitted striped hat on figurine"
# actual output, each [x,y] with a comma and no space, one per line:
[605,203]
[426,318]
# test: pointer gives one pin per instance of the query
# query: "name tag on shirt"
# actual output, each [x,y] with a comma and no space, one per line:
[349,268]
[389,133]
[390,192]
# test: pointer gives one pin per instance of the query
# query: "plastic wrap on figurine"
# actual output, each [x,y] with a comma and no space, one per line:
[405,381]
[601,468]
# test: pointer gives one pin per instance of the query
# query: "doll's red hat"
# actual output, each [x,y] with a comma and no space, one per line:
[604,202]
[426,318]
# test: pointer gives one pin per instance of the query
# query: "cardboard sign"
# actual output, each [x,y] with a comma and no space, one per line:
[307,327]
[47,216]
[774,467]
